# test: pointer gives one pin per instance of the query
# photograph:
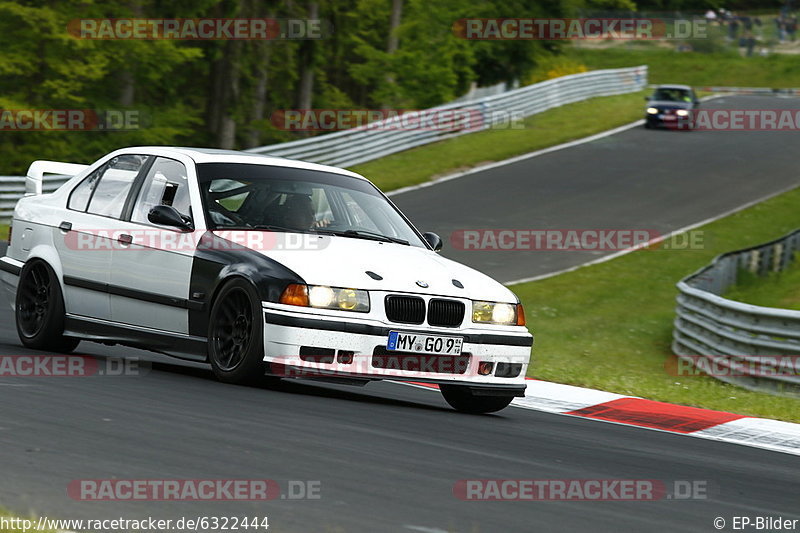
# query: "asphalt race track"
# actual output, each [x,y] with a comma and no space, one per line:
[638,179]
[387,456]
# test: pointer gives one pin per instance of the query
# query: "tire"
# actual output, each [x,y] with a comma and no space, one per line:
[39,310]
[461,399]
[235,335]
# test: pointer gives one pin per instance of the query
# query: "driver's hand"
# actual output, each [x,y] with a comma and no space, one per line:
[324,223]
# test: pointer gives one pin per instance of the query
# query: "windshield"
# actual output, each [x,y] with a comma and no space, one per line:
[672,95]
[246,196]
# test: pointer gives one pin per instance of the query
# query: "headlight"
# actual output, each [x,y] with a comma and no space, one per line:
[652,110]
[498,313]
[682,113]
[323,297]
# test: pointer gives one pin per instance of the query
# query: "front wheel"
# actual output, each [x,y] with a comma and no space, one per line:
[235,334]
[39,310]
[461,399]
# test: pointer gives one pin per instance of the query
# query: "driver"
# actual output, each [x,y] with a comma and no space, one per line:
[299,213]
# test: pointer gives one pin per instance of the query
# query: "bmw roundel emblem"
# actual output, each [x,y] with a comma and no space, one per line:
[422,284]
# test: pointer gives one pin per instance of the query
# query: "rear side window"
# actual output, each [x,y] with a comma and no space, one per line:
[79,199]
[104,191]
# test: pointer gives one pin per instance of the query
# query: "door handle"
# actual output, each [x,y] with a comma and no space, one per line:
[125,239]
[65,226]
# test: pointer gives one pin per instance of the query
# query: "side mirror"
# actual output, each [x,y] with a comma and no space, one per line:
[434,240]
[166,215]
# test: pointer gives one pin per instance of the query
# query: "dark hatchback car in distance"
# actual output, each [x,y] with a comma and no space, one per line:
[671,106]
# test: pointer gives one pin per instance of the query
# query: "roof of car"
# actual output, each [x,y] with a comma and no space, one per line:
[215,155]
[672,86]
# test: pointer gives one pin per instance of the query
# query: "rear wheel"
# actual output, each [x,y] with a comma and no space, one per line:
[40,310]
[462,399]
[235,334]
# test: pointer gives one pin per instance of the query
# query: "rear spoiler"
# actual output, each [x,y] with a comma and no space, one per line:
[37,170]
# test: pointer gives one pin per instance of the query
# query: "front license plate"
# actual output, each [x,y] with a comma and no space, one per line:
[416,343]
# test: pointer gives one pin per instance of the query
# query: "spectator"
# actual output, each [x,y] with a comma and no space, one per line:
[759,29]
[781,27]
[791,27]
[733,27]
[749,43]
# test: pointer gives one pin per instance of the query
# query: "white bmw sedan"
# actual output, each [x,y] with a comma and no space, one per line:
[260,266]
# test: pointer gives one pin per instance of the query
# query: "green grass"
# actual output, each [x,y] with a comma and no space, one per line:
[778,289]
[721,69]
[609,326]
[556,126]
[3,232]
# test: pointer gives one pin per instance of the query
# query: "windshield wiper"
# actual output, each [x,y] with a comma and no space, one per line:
[267,227]
[273,227]
[362,234]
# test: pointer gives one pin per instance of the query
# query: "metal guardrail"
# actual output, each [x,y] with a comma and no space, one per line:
[378,139]
[351,147]
[766,91]
[744,342]
[12,188]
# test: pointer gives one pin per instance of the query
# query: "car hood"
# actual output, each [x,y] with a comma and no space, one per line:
[668,104]
[343,262]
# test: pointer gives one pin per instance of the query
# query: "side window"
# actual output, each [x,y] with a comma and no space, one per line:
[165,184]
[110,193]
[79,198]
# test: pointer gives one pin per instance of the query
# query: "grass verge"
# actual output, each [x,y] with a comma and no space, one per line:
[563,124]
[609,326]
[720,69]
[778,289]
[3,232]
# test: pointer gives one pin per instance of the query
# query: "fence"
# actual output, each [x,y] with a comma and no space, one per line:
[747,344]
[351,147]
[359,145]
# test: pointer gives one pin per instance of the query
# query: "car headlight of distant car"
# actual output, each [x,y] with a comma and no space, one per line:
[682,113]
[652,110]
[498,313]
[324,297]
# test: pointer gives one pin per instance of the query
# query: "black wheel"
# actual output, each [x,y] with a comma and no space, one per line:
[648,125]
[40,310]
[235,334]
[461,399]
